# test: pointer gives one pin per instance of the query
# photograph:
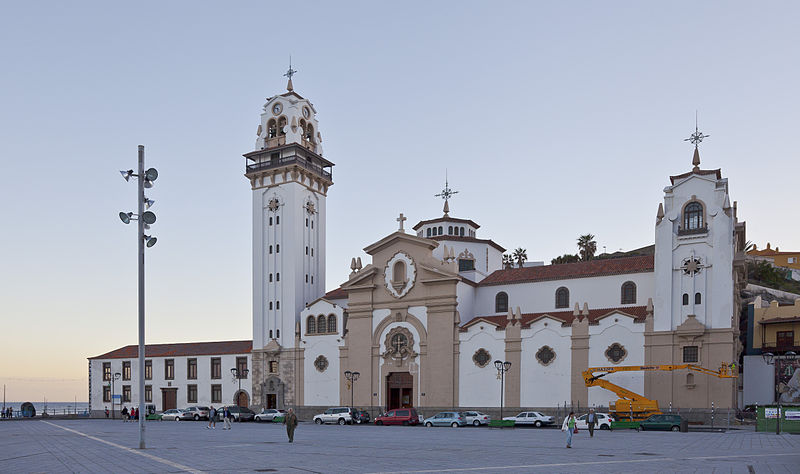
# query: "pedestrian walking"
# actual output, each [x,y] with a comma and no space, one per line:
[212,419]
[569,427]
[124,414]
[106,412]
[591,421]
[290,420]
[227,417]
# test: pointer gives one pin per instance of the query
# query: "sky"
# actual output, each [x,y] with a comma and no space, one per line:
[550,119]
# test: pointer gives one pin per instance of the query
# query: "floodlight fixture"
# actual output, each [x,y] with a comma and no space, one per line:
[148,184]
[148,203]
[149,217]
[126,174]
[125,217]
[151,174]
[149,241]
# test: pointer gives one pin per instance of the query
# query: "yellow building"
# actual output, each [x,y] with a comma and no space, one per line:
[778,258]
[776,328]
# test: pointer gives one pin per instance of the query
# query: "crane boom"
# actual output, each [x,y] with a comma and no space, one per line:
[633,406]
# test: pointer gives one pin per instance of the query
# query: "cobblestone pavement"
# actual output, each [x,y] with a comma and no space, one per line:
[110,446]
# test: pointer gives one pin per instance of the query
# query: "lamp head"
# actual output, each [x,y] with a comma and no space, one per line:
[148,203]
[233,371]
[126,174]
[790,355]
[506,366]
[355,375]
[768,357]
[149,217]
[498,364]
[347,374]
[151,174]
[149,241]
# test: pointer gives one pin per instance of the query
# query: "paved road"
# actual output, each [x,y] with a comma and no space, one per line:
[109,446]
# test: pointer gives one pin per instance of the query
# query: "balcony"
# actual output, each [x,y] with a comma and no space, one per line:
[698,231]
[288,155]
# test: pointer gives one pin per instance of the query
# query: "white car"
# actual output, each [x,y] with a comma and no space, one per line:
[174,414]
[340,415]
[476,418]
[533,418]
[603,421]
[269,414]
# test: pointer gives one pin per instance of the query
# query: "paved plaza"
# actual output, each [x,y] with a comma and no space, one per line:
[109,446]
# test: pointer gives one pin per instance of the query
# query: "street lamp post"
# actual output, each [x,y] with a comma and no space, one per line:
[502,368]
[114,378]
[239,374]
[351,377]
[144,219]
[770,359]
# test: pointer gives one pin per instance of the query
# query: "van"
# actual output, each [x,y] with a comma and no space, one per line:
[398,416]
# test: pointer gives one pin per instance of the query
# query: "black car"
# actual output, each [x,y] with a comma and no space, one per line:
[237,413]
[360,416]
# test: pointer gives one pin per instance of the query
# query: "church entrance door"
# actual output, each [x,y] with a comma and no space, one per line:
[399,390]
[169,398]
[272,400]
[242,399]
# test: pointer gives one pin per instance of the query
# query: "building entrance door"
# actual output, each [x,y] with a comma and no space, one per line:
[399,390]
[272,400]
[242,399]
[169,398]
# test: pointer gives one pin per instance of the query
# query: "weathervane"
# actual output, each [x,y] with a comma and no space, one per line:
[291,72]
[446,194]
[695,140]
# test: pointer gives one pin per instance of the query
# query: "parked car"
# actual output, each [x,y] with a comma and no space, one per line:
[198,413]
[360,416]
[476,418]
[531,418]
[340,415]
[269,414]
[446,418]
[237,413]
[603,421]
[398,416]
[173,414]
[664,422]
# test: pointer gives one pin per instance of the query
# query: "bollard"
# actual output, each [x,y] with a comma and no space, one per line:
[712,414]
[670,406]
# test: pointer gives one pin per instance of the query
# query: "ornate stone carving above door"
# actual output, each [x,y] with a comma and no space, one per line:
[399,345]
[400,274]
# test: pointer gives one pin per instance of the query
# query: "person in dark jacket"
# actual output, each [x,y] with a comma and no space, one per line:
[290,420]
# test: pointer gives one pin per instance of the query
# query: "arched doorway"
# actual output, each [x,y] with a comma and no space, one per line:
[399,390]
[242,399]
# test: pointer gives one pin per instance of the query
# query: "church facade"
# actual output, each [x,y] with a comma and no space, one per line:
[424,320]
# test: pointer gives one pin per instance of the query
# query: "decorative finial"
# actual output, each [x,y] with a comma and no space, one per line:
[401,220]
[695,140]
[446,194]
[291,72]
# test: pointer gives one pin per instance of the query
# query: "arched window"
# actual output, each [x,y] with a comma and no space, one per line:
[450,230]
[270,249]
[698,299]
[399,272]
[277,277]
[270,333]
[693,216]
[270,305]
[440,230]
[628,293]
[270,277]
[277,248]
[278,333]
[310,133]
[281,126]
[272,128]
[462,232]
[311,325]
[270,221]
[562,298]
[321,326]
[689,379]
[686,299]
[331,323]
[277,305]
[277,220]
[501,302]
[429,231]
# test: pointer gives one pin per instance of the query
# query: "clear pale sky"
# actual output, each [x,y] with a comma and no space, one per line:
[552,119]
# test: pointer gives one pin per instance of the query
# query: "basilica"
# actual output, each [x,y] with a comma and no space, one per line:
[428,310]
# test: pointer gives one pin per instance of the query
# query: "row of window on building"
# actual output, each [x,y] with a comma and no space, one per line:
[698,299]
[451,230]
[169,369]
[278,221]
[627,296]
[321,324]
[191,393]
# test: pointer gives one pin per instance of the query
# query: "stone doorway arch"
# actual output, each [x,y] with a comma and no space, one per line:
[242,399]
[272,393]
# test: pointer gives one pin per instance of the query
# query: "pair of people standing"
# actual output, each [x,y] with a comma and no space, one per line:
[570,425]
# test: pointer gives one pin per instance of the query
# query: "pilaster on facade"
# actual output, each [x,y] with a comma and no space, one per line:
[579,393]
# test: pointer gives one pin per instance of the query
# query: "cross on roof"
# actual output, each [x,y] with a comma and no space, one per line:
[446,193]
[291,72]
[402,219]
[697,136]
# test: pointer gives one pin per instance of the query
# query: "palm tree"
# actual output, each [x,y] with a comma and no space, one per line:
[508,261]
[587,246]
[520,255]
[566,258]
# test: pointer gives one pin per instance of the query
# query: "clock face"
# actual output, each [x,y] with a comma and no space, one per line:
[306,112]
[277,108]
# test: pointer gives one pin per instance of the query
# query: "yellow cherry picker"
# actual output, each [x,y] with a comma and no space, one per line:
[634,407]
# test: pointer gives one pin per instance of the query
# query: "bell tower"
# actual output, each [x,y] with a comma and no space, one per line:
[290,181]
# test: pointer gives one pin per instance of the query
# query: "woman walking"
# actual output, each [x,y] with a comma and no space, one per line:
[569,427]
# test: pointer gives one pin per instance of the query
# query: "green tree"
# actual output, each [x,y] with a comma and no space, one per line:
[566,258]
[508,261]
[520,255]
[587,246]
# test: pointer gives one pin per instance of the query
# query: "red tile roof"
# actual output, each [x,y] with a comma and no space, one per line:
[592,268]
[446,219]
[180,349]
[337,294]
[467,239]
[566,317]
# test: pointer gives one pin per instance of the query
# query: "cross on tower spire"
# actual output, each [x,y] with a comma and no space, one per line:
[446,194]
[695,139]
[291,72]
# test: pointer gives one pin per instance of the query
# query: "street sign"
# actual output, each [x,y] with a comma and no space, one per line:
[117,398]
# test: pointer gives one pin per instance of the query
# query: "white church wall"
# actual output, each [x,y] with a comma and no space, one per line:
[421,313]
[465,295]
[759,381]
[540,296]
[379,315]
[479,386]
[540,385]
[321,388]
[622,330]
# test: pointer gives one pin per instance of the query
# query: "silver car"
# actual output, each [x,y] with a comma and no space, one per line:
[269,414]
[174,414]
[476,418]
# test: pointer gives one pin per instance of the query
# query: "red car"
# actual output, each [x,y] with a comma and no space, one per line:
[398,416]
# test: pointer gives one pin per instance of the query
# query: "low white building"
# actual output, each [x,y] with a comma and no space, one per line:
[176,376]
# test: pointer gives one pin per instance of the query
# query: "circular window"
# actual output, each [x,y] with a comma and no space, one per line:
[616,353]
[545,355]
[481,357]
[321,363]
[306,112]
